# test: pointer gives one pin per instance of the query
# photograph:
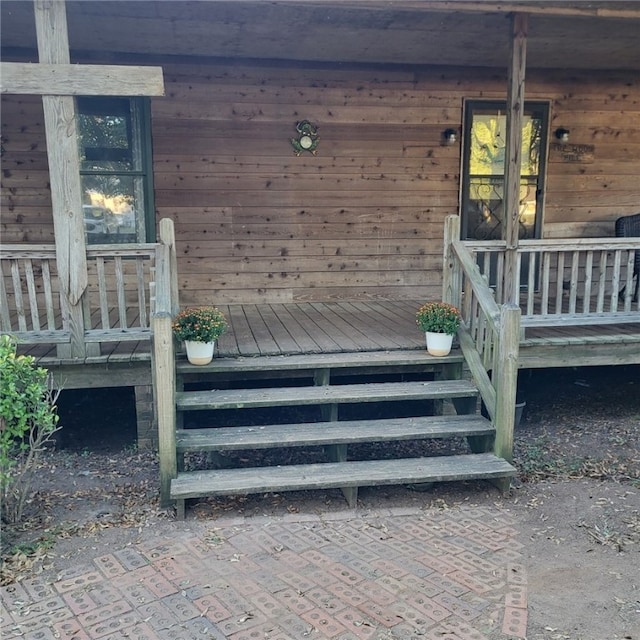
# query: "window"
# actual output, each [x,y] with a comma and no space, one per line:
[115,169]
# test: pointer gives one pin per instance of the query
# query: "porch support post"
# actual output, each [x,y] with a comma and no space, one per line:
[164,376]
[505,380]
[64,171]
[451,276]
[513,153]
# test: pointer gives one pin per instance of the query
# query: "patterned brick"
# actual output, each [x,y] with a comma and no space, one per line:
[457,606]
[137,594]
[129,558]
[14,596]
[412,616]
[241,622]
[70,630]
[516,574]
[297,581]
[111,626]
[348,594]
[357,624]
[141,631]
[389,568]
[198,628]
[43,621]
[100,614]
[41,634]
[109,566]
[515,622]
[324,599]
[381,614]
[79,601]
[210,607]
[430,607]
[427,575]
[325,623]
[516,596]
[38,589]
[296,627]
[271,607]
[267,630]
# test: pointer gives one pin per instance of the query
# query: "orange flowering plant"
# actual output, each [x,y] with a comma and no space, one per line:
[199,324]
[438,317]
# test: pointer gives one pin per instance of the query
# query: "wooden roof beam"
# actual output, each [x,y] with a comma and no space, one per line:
[80,80]
[600,9]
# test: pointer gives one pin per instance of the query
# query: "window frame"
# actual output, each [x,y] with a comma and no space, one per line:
[140,111]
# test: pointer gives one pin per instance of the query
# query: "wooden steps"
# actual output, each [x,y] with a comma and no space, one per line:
[326,394]
[316,374]
[339,474]
[323,433]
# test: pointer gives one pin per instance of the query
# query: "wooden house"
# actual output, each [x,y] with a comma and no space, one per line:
[309,154]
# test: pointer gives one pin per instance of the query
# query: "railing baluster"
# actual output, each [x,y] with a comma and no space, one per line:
[5,318]
[122,304]
[602,282]
[615,281]
[559,282]
[546,279]
[17,295]
[588,279]
[103,298]
[628,286]
[142,304]
[573,283]
[32,294]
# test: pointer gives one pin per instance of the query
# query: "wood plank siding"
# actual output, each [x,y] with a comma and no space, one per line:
[361,220]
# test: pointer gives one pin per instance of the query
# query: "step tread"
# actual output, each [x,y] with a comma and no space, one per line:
[321,361]
[321,433]
[330,394]
[196,484]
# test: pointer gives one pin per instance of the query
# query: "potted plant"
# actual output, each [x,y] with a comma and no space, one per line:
[199,327]
[440,322]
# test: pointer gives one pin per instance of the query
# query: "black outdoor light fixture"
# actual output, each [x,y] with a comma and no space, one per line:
[562,134]
[450,136]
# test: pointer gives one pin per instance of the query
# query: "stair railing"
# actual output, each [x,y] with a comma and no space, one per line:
[489,335]
[166,306]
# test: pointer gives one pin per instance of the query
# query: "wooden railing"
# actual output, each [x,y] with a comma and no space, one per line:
[116,306]
[489,335]
[569,281]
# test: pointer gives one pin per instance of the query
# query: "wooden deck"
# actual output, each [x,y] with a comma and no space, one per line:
[309,328]
[356,326]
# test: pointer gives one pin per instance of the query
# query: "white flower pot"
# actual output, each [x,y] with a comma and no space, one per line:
[439,344]
[199,352]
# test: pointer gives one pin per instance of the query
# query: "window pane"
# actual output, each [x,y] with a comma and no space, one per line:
[113,208]
[105,134]
[488,144]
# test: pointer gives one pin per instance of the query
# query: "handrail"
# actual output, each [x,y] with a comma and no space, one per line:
[489,335]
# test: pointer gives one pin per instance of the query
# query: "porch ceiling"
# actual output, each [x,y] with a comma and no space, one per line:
[573,35]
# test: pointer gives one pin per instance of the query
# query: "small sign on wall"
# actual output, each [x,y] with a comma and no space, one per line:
[583,153]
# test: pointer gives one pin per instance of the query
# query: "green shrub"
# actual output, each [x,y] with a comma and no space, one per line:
[28,420]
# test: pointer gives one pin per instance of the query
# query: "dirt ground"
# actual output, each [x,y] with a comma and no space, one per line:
[576,502]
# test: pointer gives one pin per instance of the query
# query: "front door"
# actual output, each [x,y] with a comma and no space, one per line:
[483,169]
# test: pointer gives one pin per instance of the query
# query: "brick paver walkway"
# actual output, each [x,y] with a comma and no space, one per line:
[451,574]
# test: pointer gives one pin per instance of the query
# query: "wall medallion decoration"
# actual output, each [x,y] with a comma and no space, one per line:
[307,139]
